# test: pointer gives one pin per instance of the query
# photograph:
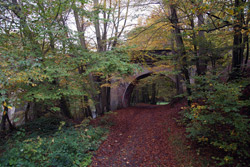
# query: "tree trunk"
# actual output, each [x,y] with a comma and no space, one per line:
[153,98]
[26,119]
[145,94]
[101,46]
[97,27]
[137,96]
[80,28]
[238,46]
[179,88]
[36,108]
[4,118]
[196,53]
[88,110]
[108,97]
[104,99]
[180,47]
[3,123]
[64,108]
[213,61]
[246,40]
[247,54]
[202,62]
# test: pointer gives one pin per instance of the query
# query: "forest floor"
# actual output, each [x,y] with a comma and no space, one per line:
[147,136]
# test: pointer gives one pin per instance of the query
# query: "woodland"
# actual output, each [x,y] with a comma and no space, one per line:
[59,60]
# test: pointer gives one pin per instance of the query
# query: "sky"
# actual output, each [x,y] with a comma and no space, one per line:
[142,11]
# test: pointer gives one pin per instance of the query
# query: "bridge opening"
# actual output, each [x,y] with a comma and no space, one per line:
[151,89]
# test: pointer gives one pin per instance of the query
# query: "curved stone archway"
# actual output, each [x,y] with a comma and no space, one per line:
[127,93]
[121,93]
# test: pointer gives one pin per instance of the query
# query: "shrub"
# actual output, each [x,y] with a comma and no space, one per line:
[215,120]
[67,147]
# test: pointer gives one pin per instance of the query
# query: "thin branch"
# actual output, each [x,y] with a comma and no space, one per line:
[145,29]
[212,15]
[154,34]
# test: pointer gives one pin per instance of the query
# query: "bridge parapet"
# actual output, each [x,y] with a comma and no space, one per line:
[148,57]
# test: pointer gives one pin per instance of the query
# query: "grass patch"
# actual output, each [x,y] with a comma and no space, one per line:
[52,142]
[162,103]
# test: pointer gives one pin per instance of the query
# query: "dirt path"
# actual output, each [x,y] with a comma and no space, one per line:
[140,137]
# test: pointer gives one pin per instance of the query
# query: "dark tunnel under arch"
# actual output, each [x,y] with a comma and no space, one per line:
[128,92]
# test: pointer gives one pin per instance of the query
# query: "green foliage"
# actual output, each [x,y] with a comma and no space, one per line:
[43,127]
[216,120]
[158,85]
[42,60]
[68,146]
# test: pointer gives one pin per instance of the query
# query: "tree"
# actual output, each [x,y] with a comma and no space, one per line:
[109,23]
[35,35]
[239,43]
[180,46]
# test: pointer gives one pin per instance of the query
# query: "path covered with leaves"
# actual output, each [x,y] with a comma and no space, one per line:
[141,137]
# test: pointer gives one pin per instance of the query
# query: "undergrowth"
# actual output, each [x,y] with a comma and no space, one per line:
[216,121]
[50,142]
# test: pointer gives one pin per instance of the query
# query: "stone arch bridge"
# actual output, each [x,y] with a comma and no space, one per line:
[121,89]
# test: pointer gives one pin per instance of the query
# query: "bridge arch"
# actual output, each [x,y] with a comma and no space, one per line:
[129,89]
[121,88]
